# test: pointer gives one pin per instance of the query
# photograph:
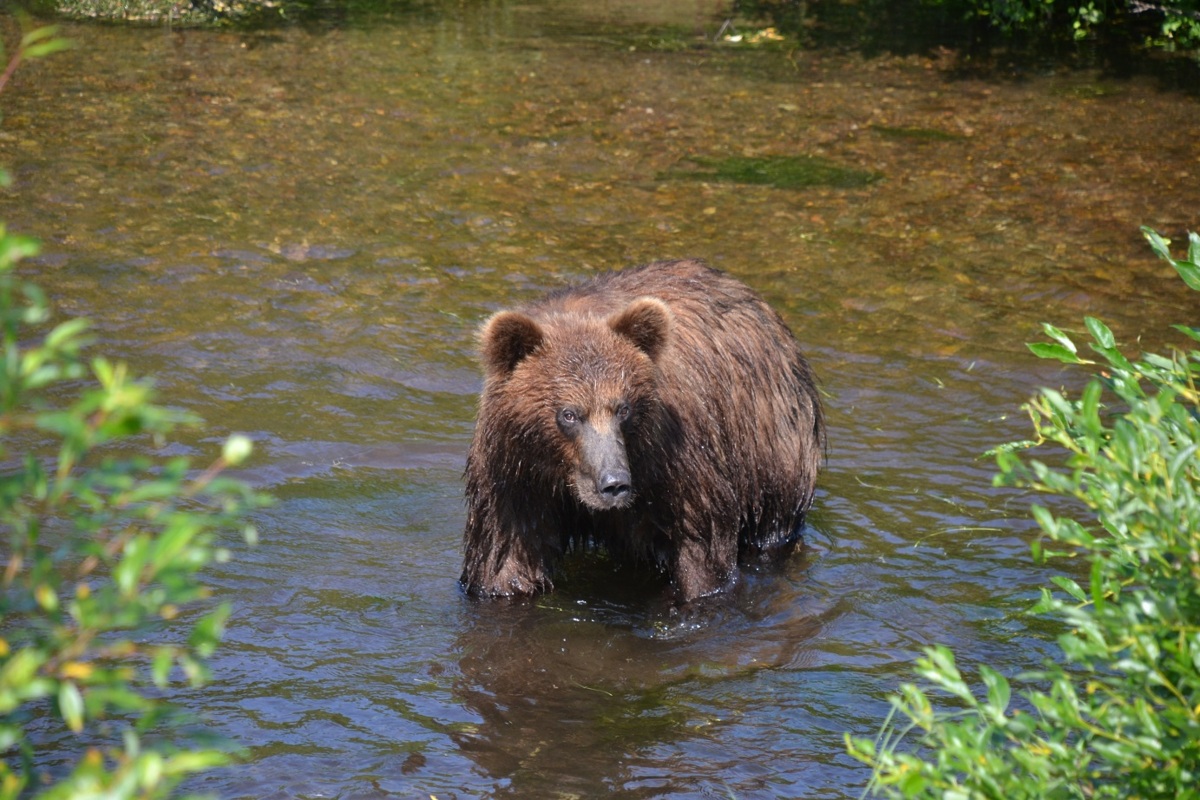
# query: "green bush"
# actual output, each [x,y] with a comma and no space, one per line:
[101,607]
[1120,717]
[1176,22]
[1172,25]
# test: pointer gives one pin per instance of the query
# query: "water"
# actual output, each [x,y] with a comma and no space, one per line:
[297,232]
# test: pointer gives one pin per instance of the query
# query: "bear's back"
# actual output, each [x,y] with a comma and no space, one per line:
[720,328]
[698,295]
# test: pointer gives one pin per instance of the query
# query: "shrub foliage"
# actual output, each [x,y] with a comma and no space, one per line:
[1120,715]
[1172,25]
[102,611]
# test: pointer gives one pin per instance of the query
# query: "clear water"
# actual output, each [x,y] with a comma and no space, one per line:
[298,231]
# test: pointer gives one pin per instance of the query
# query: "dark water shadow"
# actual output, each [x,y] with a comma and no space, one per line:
[585,688]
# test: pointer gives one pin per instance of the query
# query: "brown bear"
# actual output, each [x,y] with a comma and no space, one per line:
[663,412]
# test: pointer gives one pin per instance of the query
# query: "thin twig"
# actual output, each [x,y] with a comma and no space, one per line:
[12,67]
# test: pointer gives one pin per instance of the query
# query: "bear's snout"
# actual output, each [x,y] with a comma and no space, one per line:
[614,485]
[602,478]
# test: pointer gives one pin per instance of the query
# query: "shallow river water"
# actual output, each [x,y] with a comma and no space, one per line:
[297,232]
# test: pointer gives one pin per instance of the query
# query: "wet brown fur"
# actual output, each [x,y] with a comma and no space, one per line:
[724,437]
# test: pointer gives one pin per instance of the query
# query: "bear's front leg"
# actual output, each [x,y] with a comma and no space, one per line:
[502,563]
[512,577]
[507,576]
[702,567]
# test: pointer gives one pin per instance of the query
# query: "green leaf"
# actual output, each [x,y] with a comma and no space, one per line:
[101,698]
[1189,331]
[1114,357]
[70,705]
[941,670]
[128,572]
[15,248]
[1089,408]
[1058,336]
[1046,602]
[998,691]
[65,332]
[1189,271]
[103,369]
[1055,351]
[1161,362]
[208,631]
[171,544]
[860,747]
[1045,519]
[160,670]
[47,597]
[194,761]
[38,34]
[1100,332]
[1070,587]
[912,783]
[21,668]
[1181,460]
[9,736]
[149,769]
[1158,244]
[46,48]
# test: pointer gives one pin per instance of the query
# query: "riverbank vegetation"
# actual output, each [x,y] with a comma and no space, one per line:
[189,13]
[103,613]
[1119,714]
[977,25]
[970,25]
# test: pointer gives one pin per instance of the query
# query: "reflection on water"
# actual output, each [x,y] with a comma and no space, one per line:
[298,232]
[621,697]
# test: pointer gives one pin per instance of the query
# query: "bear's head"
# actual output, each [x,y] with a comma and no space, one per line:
[575,393]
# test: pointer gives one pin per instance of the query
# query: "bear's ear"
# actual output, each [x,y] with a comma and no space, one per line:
[646,322]
[506,340]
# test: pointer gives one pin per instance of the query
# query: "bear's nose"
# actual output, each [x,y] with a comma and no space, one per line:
[614,485]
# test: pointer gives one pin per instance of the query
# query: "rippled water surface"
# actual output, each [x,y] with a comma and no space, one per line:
[297,232]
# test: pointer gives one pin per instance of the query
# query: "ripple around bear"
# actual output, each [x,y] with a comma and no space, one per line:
[664,413]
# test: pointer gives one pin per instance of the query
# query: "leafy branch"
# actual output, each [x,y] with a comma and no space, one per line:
[102,609]
[1119,715]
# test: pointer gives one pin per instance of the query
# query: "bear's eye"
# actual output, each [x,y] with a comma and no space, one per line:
[568,418]
[622,411]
